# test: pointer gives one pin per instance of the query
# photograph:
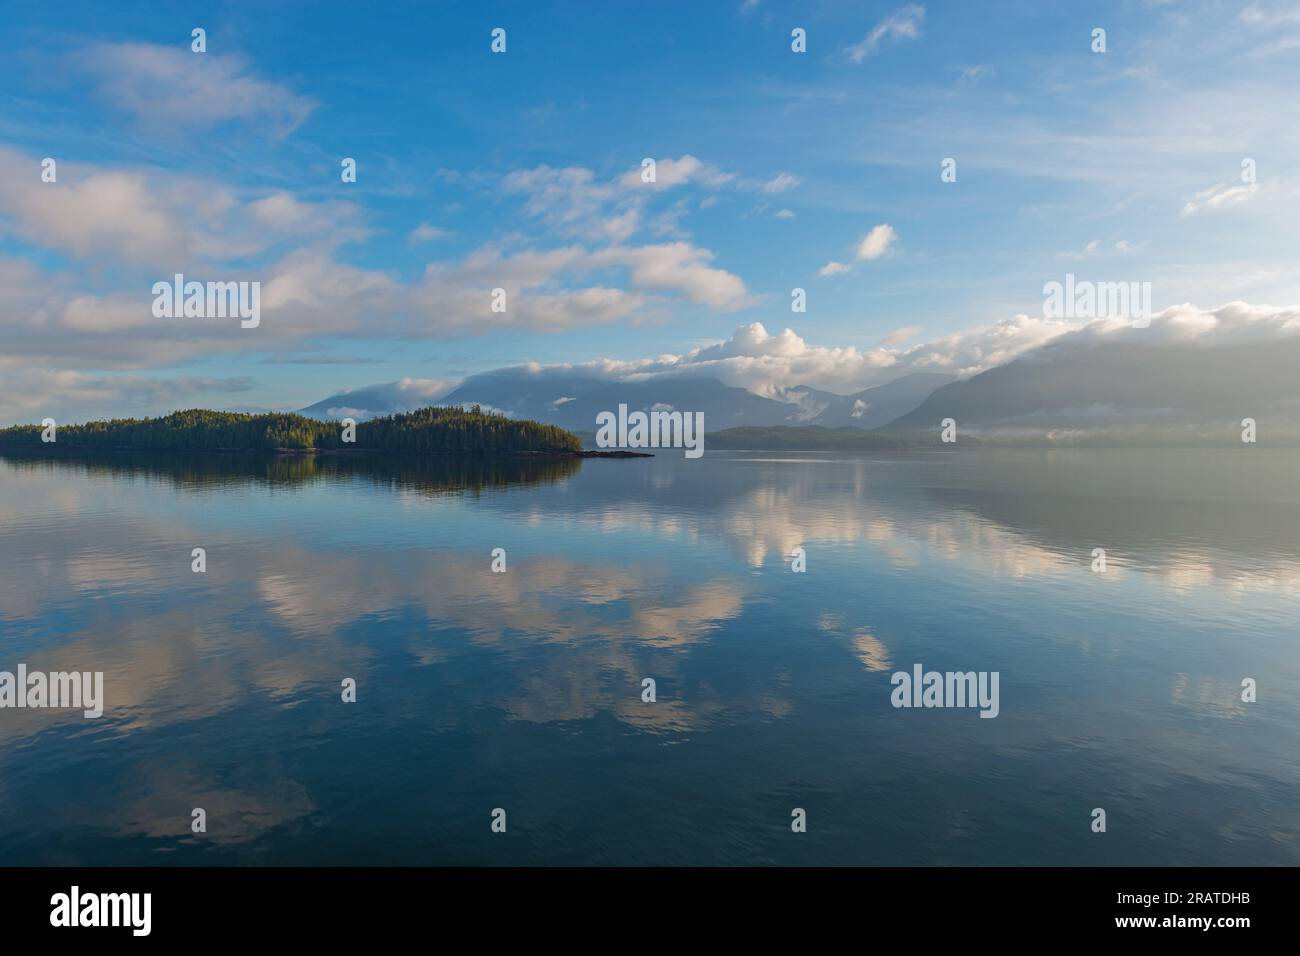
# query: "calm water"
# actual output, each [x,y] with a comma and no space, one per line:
[523,690]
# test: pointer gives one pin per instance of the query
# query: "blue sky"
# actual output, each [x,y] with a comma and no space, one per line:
[521,170]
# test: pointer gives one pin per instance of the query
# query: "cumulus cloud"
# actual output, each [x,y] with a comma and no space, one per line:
[677,172]
[286,215]
[768,363]
[112,213]
[48,319]
[981,347]
[679,267]
[166,86]
[156,224]
[157,219]
[1186,324]
[309,294]
[540,293]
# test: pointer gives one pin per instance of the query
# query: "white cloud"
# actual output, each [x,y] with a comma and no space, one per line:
[678,172]
[767,363]
[682,268]
[876,243]
[873,245]
[970,74]
[576,202]
[903,24]
[425,232]
[163,86]
[567,198]
[1276,22]
[153,218]
[404,395]
[1187,324]
[780,183]
[982,347]
[1257,15]
[1101,247]
[541,293]
[1219,196]
[309,292]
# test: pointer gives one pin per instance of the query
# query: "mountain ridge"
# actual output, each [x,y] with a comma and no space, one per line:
[573,401]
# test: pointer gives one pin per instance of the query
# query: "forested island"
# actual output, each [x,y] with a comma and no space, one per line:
[434,430]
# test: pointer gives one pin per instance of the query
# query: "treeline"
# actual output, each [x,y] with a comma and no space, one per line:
[428,430]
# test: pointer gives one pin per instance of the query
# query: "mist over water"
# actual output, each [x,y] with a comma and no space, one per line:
[522,690]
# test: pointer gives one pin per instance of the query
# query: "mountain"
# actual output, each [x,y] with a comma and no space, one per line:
[406,395]
[1189,377]
[1126,391]
[573,400]
[869,408]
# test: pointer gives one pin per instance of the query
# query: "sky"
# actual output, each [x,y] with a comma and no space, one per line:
[522,170]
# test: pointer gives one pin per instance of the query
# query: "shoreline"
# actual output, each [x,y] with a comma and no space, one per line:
[326,452]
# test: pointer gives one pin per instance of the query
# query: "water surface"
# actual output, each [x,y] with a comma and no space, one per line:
[522,690]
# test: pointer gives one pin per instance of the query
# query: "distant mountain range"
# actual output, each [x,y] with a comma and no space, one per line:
[573,401]
[1126,392]
[1156,385]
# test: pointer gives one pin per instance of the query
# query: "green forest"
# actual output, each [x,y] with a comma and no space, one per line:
[428,430]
